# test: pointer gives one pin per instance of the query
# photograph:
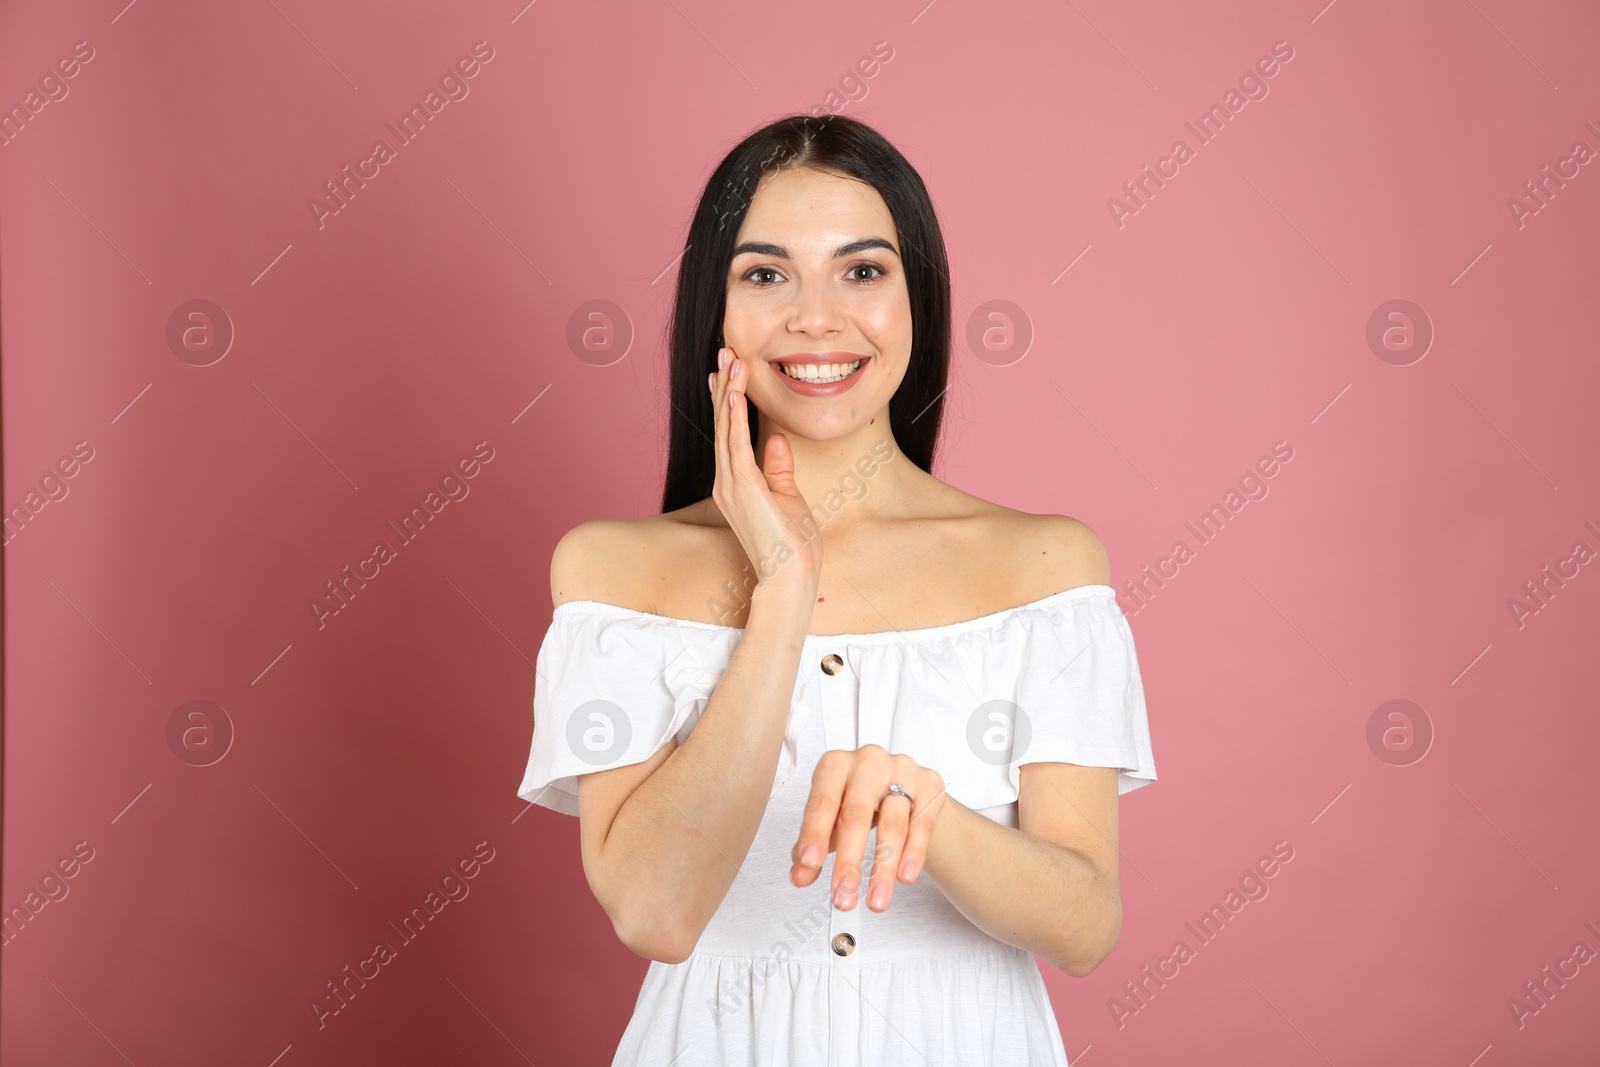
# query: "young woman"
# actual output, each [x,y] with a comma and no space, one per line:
[845,742]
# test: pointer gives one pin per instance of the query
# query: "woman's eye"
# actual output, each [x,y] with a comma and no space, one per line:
[759,274]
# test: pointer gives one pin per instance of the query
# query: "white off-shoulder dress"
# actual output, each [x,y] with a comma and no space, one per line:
[780,977]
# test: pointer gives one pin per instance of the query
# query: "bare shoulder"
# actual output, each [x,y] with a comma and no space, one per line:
[1064,548]
[1034,555]
[619,561]
[1047,553]
[584,563]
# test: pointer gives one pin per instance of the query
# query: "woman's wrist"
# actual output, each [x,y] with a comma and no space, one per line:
[791,600]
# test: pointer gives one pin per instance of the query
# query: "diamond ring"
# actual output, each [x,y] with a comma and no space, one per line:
[896,790]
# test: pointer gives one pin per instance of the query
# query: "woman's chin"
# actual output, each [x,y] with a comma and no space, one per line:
[814,431]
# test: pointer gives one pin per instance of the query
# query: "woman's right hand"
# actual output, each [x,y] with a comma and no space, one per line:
[763,507]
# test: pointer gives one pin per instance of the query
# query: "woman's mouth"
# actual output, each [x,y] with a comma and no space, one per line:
[820,372]
[820,379]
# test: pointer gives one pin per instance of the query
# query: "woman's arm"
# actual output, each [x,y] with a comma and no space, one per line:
[662,843]
[663,840]
[1051,886]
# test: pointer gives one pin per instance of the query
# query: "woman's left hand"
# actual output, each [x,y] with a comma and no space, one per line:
[849,796]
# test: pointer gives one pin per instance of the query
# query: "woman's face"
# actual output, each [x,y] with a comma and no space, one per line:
[816,272]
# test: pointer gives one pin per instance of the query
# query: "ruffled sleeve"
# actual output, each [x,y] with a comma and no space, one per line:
[1080,697]
[611,686]
[1055,681]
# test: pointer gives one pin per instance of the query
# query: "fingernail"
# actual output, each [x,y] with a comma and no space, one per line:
[811,855]
[879,897]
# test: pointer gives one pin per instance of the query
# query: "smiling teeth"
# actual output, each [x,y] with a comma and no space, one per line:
[820,372]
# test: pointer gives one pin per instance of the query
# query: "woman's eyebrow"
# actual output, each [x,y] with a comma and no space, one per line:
[763,248]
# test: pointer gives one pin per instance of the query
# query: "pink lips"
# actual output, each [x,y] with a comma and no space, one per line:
[822,388]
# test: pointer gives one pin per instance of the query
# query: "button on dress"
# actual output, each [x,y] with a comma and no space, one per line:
[780,977]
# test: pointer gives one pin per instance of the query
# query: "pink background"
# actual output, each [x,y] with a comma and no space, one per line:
[371,754]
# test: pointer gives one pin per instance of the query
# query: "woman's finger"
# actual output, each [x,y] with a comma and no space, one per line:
[929,795]
[817,821]
[894,819]
[740,449]
[857,810]
[719,406]
[735,459]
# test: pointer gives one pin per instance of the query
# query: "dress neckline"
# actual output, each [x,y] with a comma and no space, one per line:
[1077,592]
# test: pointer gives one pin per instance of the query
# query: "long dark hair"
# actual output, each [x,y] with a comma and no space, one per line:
[835,143]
